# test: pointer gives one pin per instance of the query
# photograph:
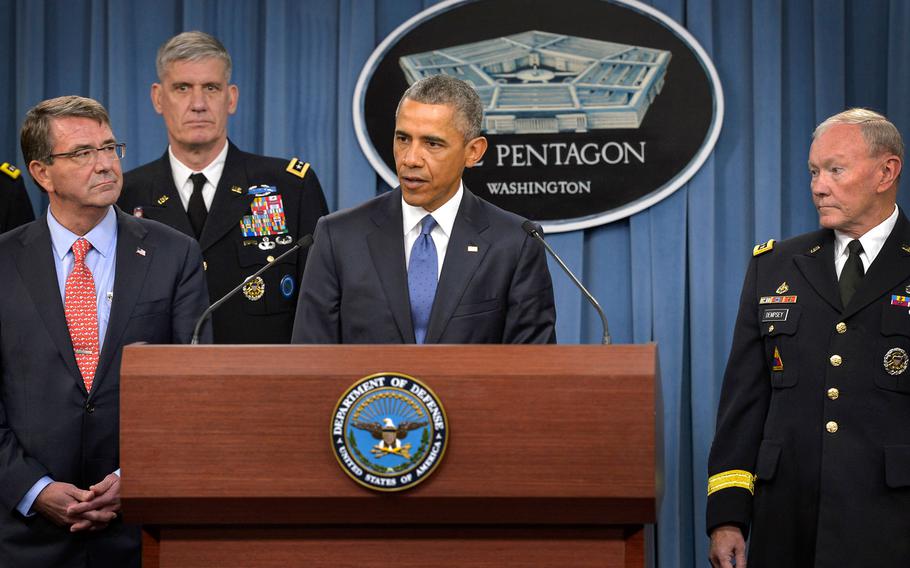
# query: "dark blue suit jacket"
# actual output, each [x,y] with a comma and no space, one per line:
[49,425]
[494,288]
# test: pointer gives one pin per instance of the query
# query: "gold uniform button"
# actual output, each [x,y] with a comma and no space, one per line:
[841,327]
[270,258]
[836,360]
[831,427]
[833,394]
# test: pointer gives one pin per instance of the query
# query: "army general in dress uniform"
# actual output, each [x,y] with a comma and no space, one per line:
[244,209]
[811,458]
[15,208]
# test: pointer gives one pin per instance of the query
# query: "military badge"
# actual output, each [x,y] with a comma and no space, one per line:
[389,431]
[260,190]
[236,189]
[287,286]
[266,218]
[254,289]
[895,361]
[266,244]
[284,240]
[777,364]
[815,249]
[163,199]
[906,248]
[782,289]
[900,301]
[138,212]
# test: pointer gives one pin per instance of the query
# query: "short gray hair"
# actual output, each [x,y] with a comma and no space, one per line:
[35,136]
[192,46]
[447,90]
[879,133]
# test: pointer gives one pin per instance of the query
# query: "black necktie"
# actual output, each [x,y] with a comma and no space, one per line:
[196,208]
[852,273]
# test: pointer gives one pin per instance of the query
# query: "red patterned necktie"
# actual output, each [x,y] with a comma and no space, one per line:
[81,308]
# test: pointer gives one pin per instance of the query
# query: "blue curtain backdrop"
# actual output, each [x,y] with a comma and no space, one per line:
[671,274]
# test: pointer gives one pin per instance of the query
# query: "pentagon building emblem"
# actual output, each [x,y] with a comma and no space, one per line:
[389,432]
[536,81]
[594,110]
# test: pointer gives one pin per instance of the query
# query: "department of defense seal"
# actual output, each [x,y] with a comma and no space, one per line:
[389,431]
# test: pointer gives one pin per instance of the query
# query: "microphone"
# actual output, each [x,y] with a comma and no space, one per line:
[531,229]
[305,242]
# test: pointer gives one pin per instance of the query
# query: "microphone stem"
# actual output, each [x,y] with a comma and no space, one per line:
[606,339]
[303,242]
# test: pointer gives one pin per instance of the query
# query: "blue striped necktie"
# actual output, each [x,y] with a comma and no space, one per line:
[422,275]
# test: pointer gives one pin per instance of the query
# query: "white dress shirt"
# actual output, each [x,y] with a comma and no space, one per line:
[445,219]
[872,242]
[184,184]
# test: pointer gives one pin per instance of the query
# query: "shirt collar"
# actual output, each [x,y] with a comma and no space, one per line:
[212,171]
[872,241]
[444,216]
[102,236]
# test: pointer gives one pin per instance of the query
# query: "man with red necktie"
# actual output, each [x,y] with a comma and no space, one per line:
[80,282]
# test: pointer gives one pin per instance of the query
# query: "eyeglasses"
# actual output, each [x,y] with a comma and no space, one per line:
[86,156]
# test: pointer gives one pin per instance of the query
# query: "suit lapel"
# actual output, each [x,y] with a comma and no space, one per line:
[817,266]
[891,267]
[131,270]
[386,244]
[460,264]
[162,192]
[36,264]
[228,206]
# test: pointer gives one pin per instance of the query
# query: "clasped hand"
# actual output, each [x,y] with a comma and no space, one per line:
[80,509]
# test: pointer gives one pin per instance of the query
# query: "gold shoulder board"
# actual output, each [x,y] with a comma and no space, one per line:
[762,248]
[298,168]
[10,170]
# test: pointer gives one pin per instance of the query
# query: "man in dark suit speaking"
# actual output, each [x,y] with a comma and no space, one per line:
[79,283]
[428,262]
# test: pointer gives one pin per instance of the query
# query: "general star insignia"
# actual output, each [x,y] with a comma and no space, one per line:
[10,170]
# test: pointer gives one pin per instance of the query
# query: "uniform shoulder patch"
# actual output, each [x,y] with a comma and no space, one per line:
[298,168]
[10,170]
[762,248]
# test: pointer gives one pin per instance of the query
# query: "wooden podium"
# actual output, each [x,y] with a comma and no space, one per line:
[227,459]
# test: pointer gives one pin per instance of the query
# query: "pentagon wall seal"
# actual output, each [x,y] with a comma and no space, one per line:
[389,431]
